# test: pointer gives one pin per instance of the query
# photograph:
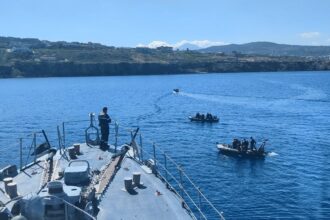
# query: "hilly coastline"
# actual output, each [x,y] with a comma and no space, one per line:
[27,57]
[271,49]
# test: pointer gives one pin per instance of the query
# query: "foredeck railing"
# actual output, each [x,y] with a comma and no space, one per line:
[27,146]
[147,152]
[176,178]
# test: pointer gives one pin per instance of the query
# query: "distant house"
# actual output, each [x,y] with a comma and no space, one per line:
[143,49]
[165,49]
[20,50]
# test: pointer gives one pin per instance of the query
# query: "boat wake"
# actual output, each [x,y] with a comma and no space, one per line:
[310,95]
[160,98]
[272,154]
[157,108]
[210,98]
[307,93]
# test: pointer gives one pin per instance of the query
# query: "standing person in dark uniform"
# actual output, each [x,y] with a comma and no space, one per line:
[104,121]
[252,144]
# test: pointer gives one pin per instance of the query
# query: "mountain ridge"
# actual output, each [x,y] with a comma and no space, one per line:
[270,48]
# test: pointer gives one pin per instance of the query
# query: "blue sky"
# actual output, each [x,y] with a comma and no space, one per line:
[174,22]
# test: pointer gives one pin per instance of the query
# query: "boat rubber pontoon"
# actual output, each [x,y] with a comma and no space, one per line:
[229,150]
[213,119]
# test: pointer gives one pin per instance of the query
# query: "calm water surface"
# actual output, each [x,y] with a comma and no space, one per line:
[292,110]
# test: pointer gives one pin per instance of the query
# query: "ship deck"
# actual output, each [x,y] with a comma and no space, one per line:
[31,179]
[152,200]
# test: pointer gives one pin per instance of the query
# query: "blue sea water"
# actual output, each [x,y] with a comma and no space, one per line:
[291,110]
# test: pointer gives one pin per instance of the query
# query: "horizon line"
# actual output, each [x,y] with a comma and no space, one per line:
[140,45]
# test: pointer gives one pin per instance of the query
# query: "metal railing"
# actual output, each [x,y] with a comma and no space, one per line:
[27,149]
[176,179]
[164,167]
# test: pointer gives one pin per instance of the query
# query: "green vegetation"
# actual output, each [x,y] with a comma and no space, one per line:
[35,58]
[272,49]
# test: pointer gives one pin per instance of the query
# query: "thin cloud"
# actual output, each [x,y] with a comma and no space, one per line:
[155,44]
[197,43]
[309,35]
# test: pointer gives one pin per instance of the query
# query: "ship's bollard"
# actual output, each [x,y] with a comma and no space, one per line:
[137,178]
[72,153]
[128,184]
[76,148]
[12,190]
[6,181]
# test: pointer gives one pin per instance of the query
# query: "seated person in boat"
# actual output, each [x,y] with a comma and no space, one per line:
[262,148]
[245,145]
[252,144]
[236,143]
[198,115]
